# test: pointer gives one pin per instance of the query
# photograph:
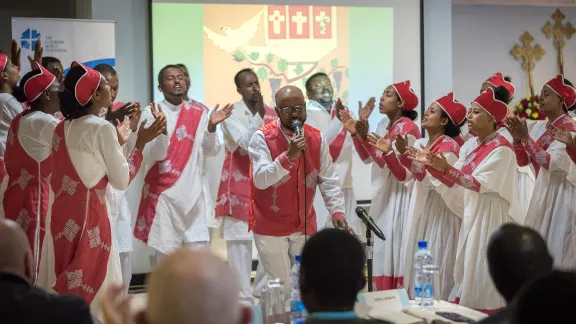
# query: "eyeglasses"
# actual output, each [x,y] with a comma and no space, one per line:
[290,110]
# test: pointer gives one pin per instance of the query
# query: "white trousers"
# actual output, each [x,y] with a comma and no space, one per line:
[126,268]
[260,280]
[240,260]
[191,245]
[277,255]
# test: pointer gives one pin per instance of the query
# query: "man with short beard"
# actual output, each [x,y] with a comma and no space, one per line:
[175,199]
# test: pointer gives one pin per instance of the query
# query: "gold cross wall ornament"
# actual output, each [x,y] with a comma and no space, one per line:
[528,53]
[559,31]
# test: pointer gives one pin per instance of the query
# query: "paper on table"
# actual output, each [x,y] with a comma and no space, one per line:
[396,317]
[386,300]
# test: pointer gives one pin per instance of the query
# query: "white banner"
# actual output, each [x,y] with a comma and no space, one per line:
[90,42]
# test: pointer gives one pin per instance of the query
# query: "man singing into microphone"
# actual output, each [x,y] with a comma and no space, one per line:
[288,162]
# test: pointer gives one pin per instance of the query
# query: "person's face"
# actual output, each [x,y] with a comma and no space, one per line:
[389,101]
[550,101]
[11,74]
[186,76]
[103,96]
[478,119]
[57,69]
[321,90]
[173,83]
[290,108]
[485,86]
[53,104]
[113,82]
[433,118]
[249,87]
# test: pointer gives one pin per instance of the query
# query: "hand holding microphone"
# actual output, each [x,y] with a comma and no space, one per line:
[297,143]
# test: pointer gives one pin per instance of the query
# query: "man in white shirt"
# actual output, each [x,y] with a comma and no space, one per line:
[233,203]
[287,165]
[9,106]
[175,205]
[324,114]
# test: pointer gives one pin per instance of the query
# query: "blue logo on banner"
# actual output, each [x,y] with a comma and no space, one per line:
[29,38]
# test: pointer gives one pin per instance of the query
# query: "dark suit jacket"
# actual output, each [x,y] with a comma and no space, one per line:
[21,303]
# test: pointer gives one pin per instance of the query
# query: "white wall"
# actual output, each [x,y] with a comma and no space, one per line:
[483,37]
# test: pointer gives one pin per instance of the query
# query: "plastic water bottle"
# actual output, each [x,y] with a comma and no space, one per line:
[423,280]
[297,310]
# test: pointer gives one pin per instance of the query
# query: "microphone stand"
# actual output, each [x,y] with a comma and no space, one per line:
[369,257]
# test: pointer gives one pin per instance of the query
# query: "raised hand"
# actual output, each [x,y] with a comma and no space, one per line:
[135,116]
[362,128]
[382,143]
[146,135]
[365,111]
[157,112]
[123,130]
[419,155]
[561,134]
[260,107]
[517,128]
[297,145]
[125,111]
[219,115]
[401,143]
[15,53]
[339,106]
[348,121]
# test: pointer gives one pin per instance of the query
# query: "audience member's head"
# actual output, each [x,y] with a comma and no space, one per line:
[190,287]
[332,271]
[516,255]
[55,67]
[15,253]
[549,299]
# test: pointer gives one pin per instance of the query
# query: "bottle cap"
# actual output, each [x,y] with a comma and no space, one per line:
[297,258]
[422,244]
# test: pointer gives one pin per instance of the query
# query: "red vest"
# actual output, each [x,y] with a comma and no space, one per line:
[26,196]
[279,209]
[234,190]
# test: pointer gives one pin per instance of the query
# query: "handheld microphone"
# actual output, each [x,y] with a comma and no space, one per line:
[363,215]
[297,125]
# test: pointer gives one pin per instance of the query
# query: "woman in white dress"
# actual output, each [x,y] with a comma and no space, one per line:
[484,181]
[433,215]
[552,210]
[391,199]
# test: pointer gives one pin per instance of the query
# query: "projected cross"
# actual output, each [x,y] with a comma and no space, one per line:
[323,20]
[300,20]
[276,18]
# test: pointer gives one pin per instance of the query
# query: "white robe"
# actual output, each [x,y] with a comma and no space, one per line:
[552,210]
[484,212]
[330,127]
[435,218]
[91,146]
[188,201]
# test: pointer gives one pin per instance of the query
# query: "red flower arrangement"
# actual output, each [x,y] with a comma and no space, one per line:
[529,108]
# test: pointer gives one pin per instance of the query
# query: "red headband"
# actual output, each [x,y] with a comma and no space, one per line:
[494,107]
[406,94]
[497,80]
[87,84]
[39,83]
[454,109]
[3,62]
[565,91]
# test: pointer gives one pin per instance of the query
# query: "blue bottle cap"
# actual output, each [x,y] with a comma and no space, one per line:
[297,258]
[422,244]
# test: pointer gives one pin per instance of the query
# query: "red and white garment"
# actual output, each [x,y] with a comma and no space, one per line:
[277,208]
[551,209]
[79,254]
[433,216]
[342,151]
[390,201]
[26,193]
[175,204]
[233,199]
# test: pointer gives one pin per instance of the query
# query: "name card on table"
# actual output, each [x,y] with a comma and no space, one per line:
[390,300]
